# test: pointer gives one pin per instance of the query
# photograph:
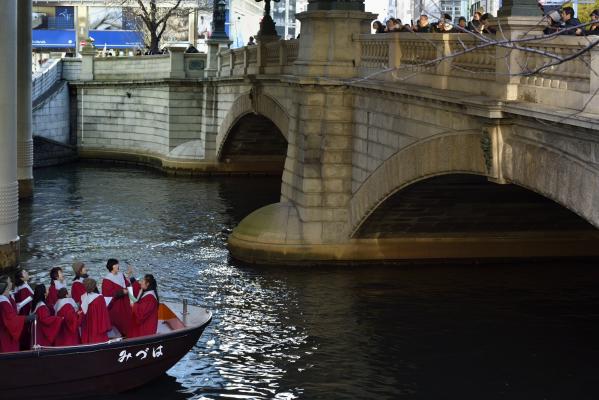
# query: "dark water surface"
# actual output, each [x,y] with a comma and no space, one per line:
[527,331]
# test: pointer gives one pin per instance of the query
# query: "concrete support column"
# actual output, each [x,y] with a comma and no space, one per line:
[9,200]
[81,27]
[25,138]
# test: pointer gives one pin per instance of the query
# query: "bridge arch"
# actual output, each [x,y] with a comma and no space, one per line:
[453,162]
[252,111]
[555,174]
[444,154]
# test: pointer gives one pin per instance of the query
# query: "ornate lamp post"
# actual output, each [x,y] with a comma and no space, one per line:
[267,25]
[218,20]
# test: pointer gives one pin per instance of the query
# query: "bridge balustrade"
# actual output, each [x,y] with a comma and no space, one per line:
[458,62]
[270,58]
[478,66]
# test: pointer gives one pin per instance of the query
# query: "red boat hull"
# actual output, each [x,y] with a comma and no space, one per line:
[107,368]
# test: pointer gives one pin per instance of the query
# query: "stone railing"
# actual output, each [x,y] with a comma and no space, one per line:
[270,58]
[177,65]
[574,75]
[45,78]
[195,65]
[464,63]
[132,68]
[71,68]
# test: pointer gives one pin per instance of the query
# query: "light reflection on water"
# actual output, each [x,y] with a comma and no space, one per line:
[415,332]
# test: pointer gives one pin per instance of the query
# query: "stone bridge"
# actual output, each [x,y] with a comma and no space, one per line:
[391,147]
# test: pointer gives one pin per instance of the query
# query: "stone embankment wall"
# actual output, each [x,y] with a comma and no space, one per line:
[51,117]
[142,118]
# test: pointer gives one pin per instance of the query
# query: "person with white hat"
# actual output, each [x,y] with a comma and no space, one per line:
[77,288]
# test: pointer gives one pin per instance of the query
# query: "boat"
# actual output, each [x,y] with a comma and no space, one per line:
[103,368]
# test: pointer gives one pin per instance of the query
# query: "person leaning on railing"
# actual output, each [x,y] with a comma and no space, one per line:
[474,25]
[378,27]
[593,28]
[422,25]
[570,22]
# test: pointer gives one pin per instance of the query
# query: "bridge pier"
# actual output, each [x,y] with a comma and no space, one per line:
[313,213]
[9,206]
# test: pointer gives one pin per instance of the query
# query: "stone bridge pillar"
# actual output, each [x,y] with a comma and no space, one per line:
[518,19]
[311,223]
[9,207]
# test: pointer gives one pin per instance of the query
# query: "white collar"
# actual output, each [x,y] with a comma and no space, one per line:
[58,284]
[62,302]
[87,299]
[4,298]
[118,279]
[149,292]
[24,286]
[39,304]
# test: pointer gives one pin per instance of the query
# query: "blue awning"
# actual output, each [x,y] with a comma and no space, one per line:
[117,39]
[53,38]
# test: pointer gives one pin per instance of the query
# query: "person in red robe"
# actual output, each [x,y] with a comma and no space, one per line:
[11,324]
[47,325]
[23,294]
[66,308]
[77,289]
[96,321]
[57,283]
[114,286]
[145,310]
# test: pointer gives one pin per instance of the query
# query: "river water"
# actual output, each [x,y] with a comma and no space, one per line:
[518,331]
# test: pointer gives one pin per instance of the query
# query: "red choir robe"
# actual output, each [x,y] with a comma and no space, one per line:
[52,297]
[119,309]
[145,315]
[11,325]
[69,332]
[96,322]
[77,290]
[22,293]
[48,325]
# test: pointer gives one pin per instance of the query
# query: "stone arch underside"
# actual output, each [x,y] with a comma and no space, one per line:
[459,153]
[566,180]
[441,186]
[255,128]
[469,205]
